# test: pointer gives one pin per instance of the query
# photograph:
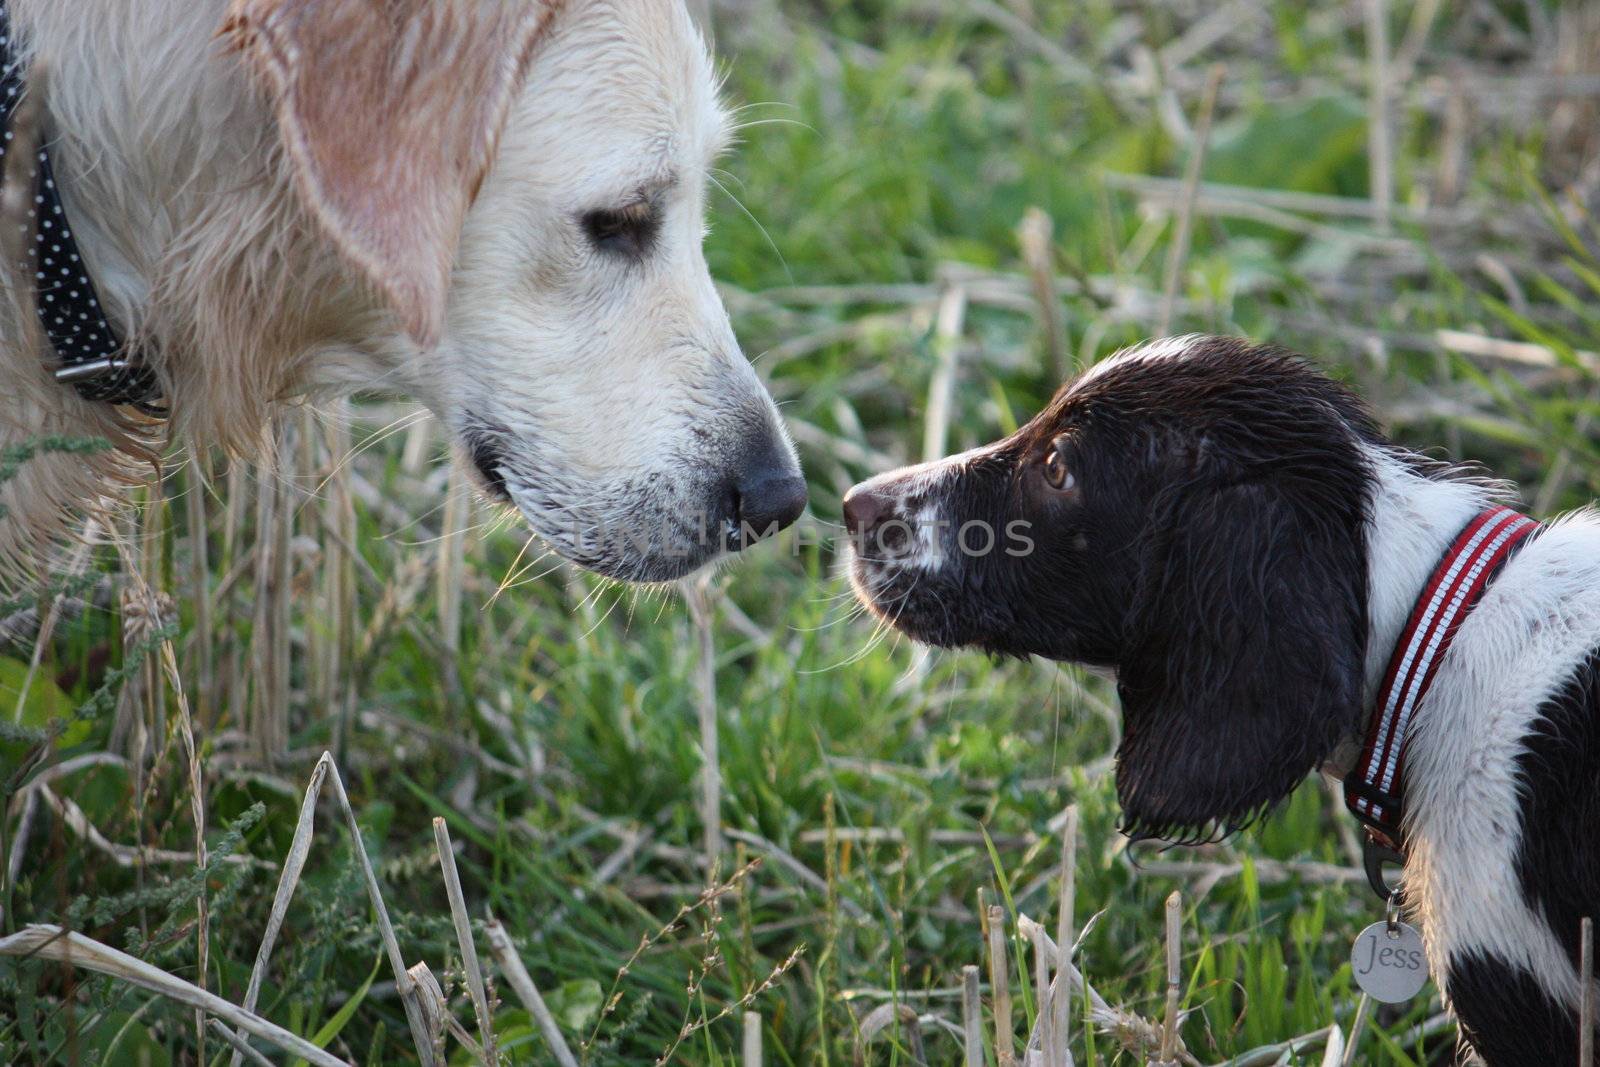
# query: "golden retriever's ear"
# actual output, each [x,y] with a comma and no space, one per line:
[389,111]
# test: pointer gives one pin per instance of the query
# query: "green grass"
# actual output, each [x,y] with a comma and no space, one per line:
[888,142]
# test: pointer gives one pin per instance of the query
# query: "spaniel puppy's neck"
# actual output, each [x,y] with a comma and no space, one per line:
[1414,514]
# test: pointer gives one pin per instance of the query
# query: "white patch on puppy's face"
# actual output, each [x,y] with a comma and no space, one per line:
[918,531]
[587,364]
[1145,352]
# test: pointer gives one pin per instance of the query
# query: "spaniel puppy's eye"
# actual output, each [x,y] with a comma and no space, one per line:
[1056,473]
[628,231]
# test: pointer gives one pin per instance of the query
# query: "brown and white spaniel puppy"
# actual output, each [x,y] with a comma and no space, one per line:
[1227,530]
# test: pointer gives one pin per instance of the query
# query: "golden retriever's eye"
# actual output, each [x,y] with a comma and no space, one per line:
[629,231]
[1056,473]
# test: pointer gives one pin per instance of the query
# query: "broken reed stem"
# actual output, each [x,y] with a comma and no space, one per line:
[316,639]
[1329,1037]
[277,593]
[830,912]
[469,952]
[1357,1025]
[269,640]
[1033,236]
[281,596]
[1133,1032]
[201,640]
[415,1018]
[294,863]
[436,1015]
[73,948]
[1333,1051]
[232,687]
[136,857]
[1587,1007]
[505,954]
[1178,251]
[197,809]
[1169,1026]
[452,558]
[337,580]
[288,879]
[947,327]
[1061,1005]
[971,1016]
[901,1019]
[1381,168]
[241,1047]
[19,845]
[752,1040]
[1000,988]
[1041,981]
[698,596]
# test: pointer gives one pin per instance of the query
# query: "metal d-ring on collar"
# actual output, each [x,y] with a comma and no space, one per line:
[1374,855]
[93,358]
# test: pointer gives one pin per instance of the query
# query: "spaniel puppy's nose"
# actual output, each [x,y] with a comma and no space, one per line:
[862,509]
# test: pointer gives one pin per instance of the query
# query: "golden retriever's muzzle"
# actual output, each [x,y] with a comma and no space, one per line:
[652,527]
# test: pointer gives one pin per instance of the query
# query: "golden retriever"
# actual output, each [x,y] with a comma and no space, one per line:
[494,206]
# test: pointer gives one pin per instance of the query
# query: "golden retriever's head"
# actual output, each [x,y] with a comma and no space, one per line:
[522,183]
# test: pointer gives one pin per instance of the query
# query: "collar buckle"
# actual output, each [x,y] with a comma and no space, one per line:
[115,379]
[93,370]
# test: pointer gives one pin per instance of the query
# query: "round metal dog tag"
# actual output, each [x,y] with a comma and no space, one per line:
[1388,962]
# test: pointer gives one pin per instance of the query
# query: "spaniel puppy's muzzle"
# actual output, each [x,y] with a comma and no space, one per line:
[1227,530]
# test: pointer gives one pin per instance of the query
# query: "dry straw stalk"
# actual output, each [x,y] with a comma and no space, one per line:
[751,1056]
[971,1016]
[505,954]
[469,953]
[53,943]
[1000,988]
[1169,1028]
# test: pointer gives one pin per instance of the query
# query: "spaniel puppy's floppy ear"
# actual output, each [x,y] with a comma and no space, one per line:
[389,111]
[1243,666]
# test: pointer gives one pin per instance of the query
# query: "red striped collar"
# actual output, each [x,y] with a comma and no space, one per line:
[1374,789]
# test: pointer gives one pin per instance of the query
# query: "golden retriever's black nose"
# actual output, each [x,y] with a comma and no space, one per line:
[768,502]
[862,509]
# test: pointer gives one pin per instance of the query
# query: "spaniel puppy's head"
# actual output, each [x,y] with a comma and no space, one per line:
[1191,514]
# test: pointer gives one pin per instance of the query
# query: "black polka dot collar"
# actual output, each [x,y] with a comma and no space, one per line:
[93,358]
